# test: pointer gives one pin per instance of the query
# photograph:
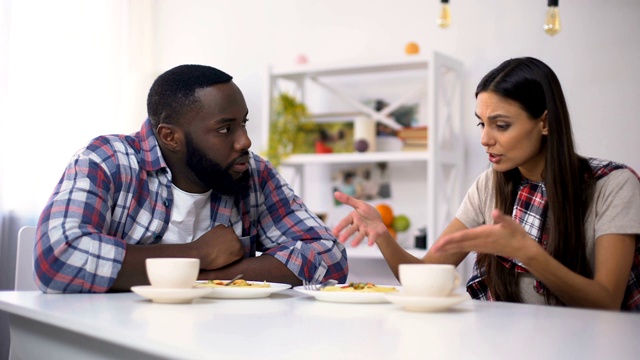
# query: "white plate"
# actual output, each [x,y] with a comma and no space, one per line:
[346,296]
[170,296]
[418,303]
[230,292]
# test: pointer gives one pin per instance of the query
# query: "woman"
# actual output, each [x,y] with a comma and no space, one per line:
[548,225]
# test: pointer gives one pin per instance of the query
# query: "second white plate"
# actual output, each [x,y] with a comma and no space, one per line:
[346,296]
[230,292]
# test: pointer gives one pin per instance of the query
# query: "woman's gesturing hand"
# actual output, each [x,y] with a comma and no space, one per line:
[505,237]
[363,221]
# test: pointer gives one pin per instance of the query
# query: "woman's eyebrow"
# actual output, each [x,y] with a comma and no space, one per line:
[493,117]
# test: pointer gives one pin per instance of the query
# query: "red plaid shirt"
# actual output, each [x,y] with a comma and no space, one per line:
[530,210]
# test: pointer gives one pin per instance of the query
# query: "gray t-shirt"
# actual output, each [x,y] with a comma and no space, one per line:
[615,209]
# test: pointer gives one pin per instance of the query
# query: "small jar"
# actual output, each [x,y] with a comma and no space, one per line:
[420,238]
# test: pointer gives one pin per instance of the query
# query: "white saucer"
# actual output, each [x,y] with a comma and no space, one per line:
[418,303]
[170,296]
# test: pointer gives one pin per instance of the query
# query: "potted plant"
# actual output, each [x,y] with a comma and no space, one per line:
[288,120]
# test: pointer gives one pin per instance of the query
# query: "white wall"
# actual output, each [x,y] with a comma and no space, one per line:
[595,55]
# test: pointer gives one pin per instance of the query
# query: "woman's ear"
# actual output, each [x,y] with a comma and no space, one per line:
[170,137]
[544,123]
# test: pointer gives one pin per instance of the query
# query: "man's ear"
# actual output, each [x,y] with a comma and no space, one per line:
[170,137]
[545,123]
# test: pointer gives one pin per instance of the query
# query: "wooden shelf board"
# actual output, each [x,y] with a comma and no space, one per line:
[344,158]
[416,63]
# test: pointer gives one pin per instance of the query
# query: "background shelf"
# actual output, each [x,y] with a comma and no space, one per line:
[424,185]
[346,158]
[418,63]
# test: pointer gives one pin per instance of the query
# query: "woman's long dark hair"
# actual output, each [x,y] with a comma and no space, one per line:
[567,176]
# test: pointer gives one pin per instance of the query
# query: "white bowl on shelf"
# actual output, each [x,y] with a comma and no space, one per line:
[388,143]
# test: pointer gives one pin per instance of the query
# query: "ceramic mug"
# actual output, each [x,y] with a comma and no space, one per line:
[428,280]
[172,273]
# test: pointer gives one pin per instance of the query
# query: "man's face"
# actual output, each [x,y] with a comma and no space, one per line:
[213,175]
[216,140]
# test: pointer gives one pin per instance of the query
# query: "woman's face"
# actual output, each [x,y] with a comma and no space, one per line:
[511,137]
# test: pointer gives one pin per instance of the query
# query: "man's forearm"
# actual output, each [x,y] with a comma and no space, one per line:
[261,268]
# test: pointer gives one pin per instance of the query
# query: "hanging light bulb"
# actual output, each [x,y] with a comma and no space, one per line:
[552,21]
[445,16]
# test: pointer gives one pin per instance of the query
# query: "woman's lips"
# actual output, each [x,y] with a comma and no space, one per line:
[494,159]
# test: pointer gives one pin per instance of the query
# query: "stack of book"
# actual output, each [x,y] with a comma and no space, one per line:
[414,138]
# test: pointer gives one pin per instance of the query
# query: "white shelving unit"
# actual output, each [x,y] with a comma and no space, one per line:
[433,81]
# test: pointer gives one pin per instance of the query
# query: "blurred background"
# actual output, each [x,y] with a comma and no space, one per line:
[73,69]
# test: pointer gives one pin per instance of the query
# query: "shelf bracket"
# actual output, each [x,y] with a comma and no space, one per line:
[360,106]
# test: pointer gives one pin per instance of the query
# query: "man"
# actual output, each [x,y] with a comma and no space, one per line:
[186,185]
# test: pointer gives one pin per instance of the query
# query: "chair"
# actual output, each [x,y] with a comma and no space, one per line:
[24,259]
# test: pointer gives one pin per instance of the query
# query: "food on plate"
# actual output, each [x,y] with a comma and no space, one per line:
[240,283]
[360,287]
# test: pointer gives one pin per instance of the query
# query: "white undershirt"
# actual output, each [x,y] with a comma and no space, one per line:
[190,216]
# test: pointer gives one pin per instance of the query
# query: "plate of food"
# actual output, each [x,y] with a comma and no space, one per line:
[240,289]
[359,292]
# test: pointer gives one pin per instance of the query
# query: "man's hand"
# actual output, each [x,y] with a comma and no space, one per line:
[218,247]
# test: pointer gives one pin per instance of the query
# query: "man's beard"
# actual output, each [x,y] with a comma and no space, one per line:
[211,174]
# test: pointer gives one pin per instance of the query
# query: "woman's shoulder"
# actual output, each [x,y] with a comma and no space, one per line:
[615,181]
[620,178]
[485,177]
[602,169]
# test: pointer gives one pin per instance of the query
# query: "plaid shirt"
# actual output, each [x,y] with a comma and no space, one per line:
[117,191]
[530,210]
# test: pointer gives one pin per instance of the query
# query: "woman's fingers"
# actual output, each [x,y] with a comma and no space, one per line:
[358,239]
[345,199]
[464,241]
[359,223]
[347,233]
[342,224]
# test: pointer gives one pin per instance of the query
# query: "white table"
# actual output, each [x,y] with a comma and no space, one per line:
[289,325]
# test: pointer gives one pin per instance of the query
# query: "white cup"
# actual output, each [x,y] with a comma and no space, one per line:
[172,273]
[428,280]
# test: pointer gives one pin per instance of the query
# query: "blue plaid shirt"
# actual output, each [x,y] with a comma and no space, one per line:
[117,191]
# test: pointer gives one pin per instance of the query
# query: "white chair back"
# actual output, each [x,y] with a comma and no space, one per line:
[24,259]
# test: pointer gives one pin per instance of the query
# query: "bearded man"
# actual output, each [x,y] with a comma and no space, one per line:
[185,185]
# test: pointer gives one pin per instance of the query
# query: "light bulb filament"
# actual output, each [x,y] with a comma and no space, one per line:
[445,16]
[552,21]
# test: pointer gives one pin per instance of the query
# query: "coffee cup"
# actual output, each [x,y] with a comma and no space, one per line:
[428,280]
[172,273]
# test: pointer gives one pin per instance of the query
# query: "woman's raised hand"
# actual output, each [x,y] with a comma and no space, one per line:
[363,221]
[504,237]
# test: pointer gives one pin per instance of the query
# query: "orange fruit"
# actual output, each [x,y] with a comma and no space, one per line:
[393,233]
[411,48]
[386,213]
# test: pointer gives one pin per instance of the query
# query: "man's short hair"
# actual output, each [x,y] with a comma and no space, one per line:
[174,92]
